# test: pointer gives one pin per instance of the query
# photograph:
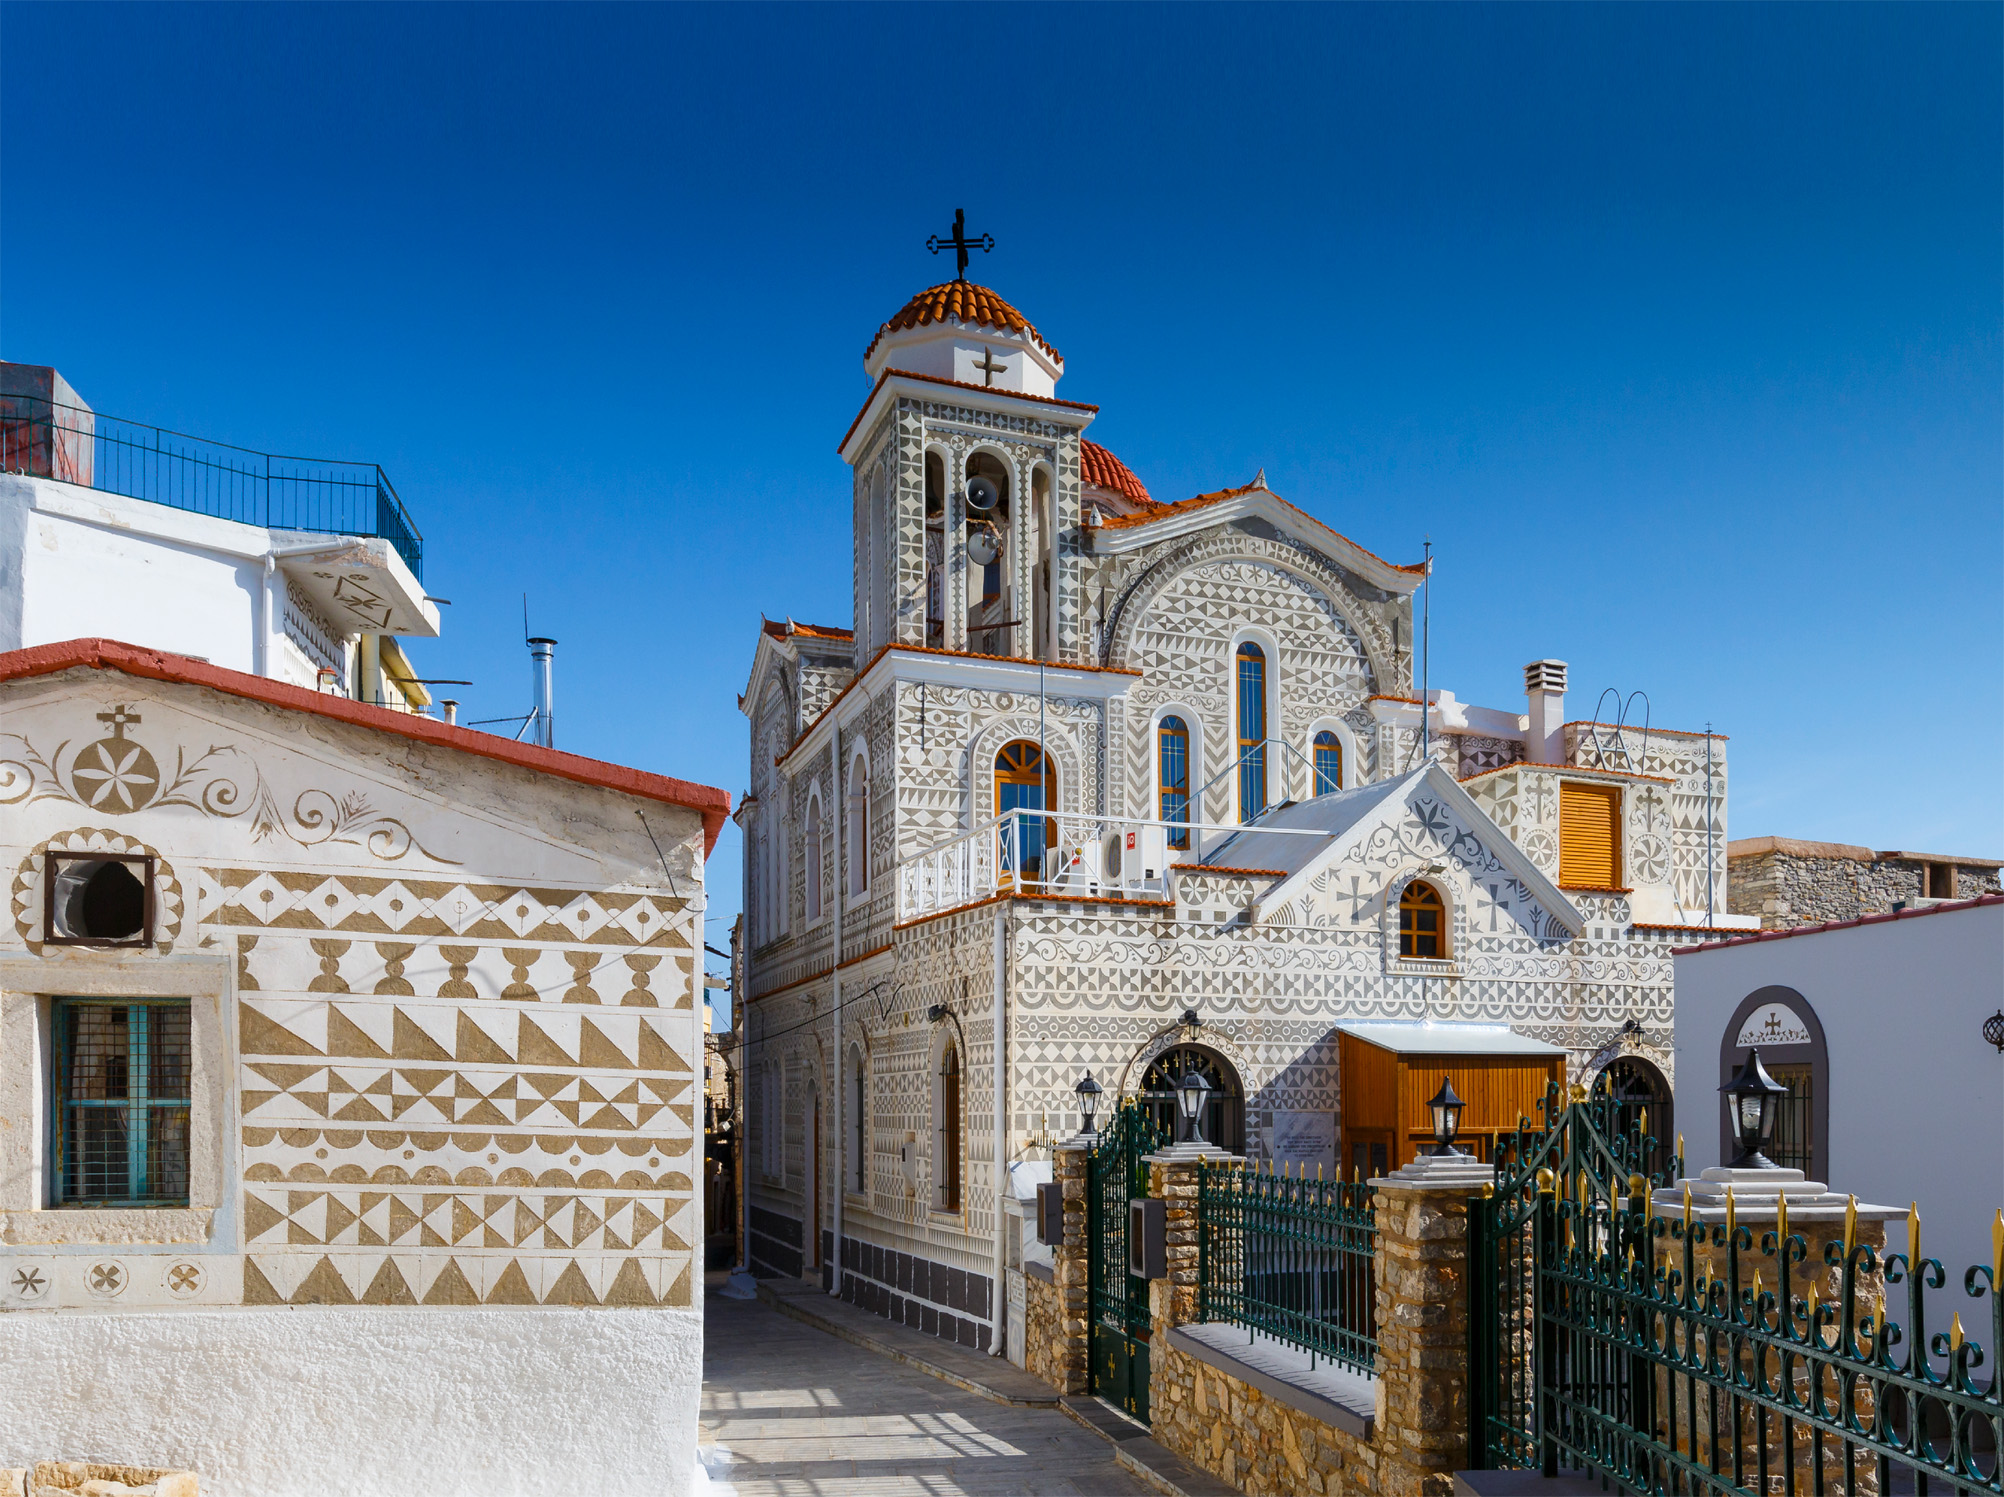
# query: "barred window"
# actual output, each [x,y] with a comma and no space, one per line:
[123,1073]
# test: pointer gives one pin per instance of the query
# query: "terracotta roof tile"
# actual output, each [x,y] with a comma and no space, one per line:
[964,302]
[158,665]
[1103,470]
[780,628]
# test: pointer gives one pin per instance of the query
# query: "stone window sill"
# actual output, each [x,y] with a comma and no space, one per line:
[1036,1269]
[1418,966]
[112,1227]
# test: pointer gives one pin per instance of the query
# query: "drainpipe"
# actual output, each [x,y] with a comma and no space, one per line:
[998,1337]
[267,619]
[841,897]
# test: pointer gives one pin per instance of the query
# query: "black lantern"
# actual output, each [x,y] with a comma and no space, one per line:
[1753,1099]
[1190,1024]
[1192,1092]
[1087,1091]
[1446,1105]
[1993,1029]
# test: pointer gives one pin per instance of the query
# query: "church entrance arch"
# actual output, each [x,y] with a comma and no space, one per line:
[1025,780]
[1224,1120]
[1642,1103]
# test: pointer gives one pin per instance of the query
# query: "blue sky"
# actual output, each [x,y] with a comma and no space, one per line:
[1677,329]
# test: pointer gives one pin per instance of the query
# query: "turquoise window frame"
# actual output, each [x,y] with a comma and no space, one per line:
[148,1118]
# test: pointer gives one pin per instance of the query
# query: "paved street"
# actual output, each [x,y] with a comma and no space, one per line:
[790,1411]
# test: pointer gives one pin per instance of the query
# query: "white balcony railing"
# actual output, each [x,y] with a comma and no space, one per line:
[1057,853]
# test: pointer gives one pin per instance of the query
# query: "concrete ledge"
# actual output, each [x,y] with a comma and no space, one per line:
[1042,1271]
[1314,1386]
[1531,1484]
[993,1378]
[1139,1453]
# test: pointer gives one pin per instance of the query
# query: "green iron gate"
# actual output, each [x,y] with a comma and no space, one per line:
[1669,1355]
[1115,1175]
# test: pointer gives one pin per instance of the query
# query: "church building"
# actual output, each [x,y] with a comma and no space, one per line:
[1098,783]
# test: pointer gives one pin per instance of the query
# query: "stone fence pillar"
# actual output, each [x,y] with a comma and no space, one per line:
[1056,1319]
[1172,1179]
[1422,1366]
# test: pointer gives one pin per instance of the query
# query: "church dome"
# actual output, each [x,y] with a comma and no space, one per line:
[1103,470]
[965,304]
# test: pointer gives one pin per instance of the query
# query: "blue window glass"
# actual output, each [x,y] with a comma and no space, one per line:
[1328,763]
[1023,782]
[1172,740]
[120,1092]
[1252,731]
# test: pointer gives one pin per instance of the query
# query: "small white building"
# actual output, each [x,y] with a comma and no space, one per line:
[293,569]
[1876,1026]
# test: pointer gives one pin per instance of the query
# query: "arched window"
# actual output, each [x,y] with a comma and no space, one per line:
[811,874]
[1328,763]
[1252,730]
[859,1133]
[1642,1104]
[859,826]
[1422,921]
[1024,781]
[1172,746]
[946,1161]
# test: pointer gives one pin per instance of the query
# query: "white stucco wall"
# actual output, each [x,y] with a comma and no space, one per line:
[1916,1097]
[360,1402]
[87,568]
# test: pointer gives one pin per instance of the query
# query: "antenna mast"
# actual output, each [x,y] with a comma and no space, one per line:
[1426,660]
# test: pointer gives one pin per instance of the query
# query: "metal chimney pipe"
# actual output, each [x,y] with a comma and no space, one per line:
[542,724]
[449,710]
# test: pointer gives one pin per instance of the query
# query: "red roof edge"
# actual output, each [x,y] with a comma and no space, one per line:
[159,665]
[1946,908]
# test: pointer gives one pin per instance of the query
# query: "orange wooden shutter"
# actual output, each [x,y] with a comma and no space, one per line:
[1589,840]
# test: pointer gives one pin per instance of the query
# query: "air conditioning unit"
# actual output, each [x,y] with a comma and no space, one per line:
[1144,854]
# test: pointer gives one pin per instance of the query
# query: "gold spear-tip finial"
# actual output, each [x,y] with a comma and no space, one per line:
[1850,1224]
[1997,1249]
[1732,1214]
[1781,1221]
[1687,1210]
[1913,1233]
[1954,1334]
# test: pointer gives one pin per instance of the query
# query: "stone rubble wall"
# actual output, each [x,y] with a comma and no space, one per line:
[1238,1434]
[1788,890]
[96,1479]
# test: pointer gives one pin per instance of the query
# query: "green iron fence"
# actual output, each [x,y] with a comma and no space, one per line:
[1116,1175]
[1293,1258]
[50,440]
[1668,1355]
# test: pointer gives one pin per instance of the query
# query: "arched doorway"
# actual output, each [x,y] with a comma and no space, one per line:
[1642,1102]
[1025,780]
[1224,1121]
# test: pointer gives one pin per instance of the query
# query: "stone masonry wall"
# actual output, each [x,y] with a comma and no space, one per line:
[1055,1332]
[1258,1444]
[1422,1364]
[1787,889]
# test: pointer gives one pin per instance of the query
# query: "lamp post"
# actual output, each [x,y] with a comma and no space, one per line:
[1087,1091]
[1446,1105]
[1192,1092]
[1191,1024]
[1754,1100]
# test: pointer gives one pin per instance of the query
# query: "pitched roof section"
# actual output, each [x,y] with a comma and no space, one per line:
[157,665]
[1981,901]
[1103,470]
[781,628]
[963,302]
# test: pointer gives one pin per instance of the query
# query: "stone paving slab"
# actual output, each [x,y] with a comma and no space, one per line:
[993,1378]
[1137,1451]
[791,1411]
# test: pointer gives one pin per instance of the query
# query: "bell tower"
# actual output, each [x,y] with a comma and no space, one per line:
[966,480]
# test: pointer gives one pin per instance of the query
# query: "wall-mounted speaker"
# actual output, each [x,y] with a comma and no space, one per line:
[982,494]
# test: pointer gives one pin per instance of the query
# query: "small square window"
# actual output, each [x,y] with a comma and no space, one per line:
[97,899]
[123,1074]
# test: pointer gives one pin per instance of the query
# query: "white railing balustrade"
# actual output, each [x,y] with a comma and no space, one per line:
[1056,853]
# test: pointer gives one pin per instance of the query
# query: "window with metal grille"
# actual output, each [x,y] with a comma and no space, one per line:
[1794,1124]
[121,1098]
[1173,745]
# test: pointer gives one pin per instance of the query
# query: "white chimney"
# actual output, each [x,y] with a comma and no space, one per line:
[542,723]
[1545,730]
[449,710]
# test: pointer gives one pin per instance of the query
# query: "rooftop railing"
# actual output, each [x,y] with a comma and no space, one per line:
[46,439]
[1058,853]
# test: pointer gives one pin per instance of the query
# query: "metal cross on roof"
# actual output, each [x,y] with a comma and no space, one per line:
[960,244]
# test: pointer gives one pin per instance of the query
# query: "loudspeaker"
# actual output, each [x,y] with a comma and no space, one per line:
[982,494]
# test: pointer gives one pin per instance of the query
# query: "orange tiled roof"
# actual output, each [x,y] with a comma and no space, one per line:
[780,628]
[961,301]
[1103,470]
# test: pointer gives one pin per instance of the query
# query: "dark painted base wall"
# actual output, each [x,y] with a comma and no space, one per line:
[949,1303]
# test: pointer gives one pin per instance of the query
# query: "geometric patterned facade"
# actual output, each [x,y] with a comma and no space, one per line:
[457,1035]
[1119,612]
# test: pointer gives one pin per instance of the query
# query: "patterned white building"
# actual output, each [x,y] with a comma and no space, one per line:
[1033,630]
